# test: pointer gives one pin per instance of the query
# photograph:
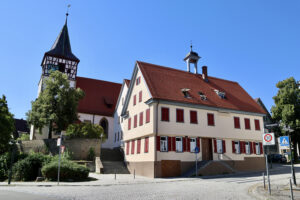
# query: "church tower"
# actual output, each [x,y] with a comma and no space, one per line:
[60,57]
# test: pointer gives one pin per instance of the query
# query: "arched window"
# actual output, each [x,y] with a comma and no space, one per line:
[104,125]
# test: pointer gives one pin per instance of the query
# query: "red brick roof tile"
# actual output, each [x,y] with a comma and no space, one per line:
[236,97]
[100,96]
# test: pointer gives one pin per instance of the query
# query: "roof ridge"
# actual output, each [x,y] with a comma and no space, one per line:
[165,67]
[98,80]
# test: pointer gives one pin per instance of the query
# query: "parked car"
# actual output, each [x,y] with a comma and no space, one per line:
[277,158]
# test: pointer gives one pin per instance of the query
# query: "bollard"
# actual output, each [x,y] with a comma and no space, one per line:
[264,180]
[134,174]
[291,189]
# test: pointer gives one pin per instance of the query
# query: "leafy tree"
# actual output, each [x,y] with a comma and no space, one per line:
[287,107]
[85,130]
[56,105]
[7,125]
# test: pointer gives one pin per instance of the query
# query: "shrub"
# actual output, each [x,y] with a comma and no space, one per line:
[24,137]
[28,168]
[85,130]
[68,171]
[5,161]
[91,154]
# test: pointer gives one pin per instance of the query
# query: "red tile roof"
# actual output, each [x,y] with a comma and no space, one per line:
[236,97]
[100,96]
[127,82]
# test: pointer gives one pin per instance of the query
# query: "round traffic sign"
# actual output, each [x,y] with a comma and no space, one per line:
[268,137]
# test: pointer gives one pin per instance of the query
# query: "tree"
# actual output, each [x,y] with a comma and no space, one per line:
[85,130]
[287,107]
[56,105]
[7,125]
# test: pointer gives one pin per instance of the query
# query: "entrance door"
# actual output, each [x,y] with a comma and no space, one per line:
[206,149]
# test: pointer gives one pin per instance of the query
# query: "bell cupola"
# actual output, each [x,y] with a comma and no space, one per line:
[192,58]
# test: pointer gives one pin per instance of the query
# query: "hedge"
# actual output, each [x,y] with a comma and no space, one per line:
[68,171]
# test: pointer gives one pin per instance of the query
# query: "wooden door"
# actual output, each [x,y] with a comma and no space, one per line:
[206,149]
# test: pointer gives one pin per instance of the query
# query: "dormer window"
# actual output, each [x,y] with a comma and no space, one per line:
[202,96]
[222,95]
[186,93]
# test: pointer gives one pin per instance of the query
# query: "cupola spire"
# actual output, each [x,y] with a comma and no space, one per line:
[192,57]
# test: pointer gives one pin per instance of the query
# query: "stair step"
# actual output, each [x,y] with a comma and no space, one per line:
[111,167]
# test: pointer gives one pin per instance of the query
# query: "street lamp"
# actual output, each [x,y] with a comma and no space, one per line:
[12,144]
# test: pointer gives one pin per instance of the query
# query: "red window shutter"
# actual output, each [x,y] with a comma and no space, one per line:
[198,143]
[134,100]
[215,146]
[254,148]
[179,115]
[210,119]
[169,143]
[173,143]
[135,121]
[148,115]
[257,126]
[247,123]
[132,146]
[139,146]
[140,96]
[251,147]
[164,114]
[193,117]
[146,144]
[183,144]
[127,148]
[188,141]
[224,146]
[233,147]
[158,143]
[141,118]
[129,123]
[237,122]
[261,148]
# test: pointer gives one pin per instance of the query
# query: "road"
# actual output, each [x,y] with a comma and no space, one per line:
[219,187]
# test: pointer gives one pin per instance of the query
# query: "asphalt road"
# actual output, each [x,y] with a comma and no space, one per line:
[12,195]
[220,187]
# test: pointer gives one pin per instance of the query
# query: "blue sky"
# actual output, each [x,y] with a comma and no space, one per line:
[253,42]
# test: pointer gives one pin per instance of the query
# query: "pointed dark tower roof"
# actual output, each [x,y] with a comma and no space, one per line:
[62,47]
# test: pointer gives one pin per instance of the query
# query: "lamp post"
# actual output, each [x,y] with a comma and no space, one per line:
[12,143]
[289,130]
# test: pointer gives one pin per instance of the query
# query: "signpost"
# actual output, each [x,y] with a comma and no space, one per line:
[284,141]
[196,152]
[289,130]
[268,139]
[59,146]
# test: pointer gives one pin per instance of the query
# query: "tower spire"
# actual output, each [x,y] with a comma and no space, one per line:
[67,13]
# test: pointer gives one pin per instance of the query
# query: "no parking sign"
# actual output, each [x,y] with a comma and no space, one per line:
[268,139]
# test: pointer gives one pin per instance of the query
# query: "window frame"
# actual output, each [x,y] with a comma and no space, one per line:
[247,120]
[141,120]
[257,124]
[148,115]
[192,150]
[219,143]
[168,116]
[129,123]
[213,118]
[135,121]
[247,143]
[140,96]
[239,122]
[146,145]
[164,141]
[177,116]
[138,146]
[237,150]
[179,145]
[196,115]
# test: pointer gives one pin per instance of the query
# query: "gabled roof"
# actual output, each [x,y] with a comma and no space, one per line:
[127,82]
[62,46]
[100,96]
[21,125]
[167,83]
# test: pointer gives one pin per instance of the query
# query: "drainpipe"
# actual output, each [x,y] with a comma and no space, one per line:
[155,142]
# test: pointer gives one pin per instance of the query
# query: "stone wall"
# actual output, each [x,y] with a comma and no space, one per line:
[79,148]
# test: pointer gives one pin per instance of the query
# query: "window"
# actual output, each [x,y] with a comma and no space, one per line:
[148,115]
[257,125]
[135,121]
[140,96]
[179,115]
[138,80]
[236,147]
[193,144]
[129,123]
[146,145]
[179,144]
[193,117]
[237,122]
[163,143]
[247,147]
[138,146]
[127,148]
[134,100]
[164,114]
[61,67]
[219,146]
[132,146]
[257,148]
[247,123]
[141,118]
[210,119]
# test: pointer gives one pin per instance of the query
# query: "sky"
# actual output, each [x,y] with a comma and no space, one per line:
[255,43]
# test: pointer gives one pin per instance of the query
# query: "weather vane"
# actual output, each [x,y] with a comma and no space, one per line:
[191,45]
[67,14]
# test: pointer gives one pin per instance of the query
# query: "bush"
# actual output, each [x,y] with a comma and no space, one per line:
[28,168]
[24,137]
[5,161]
[85,130]
[68,171]
[91,154]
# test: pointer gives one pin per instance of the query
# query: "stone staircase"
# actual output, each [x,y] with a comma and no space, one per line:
[113,161]
[200,165]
